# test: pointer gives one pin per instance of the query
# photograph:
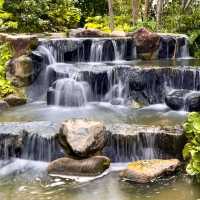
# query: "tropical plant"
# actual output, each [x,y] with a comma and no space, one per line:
[191,151]
[5,85]
[40,15]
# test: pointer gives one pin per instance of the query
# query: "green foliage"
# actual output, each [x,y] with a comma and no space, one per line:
[5,85]
[187,21]
[122,23]
[39,15]
[191,151]
[91,8]
[7,21]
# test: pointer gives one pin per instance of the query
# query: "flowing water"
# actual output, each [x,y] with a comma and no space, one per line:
[88,78]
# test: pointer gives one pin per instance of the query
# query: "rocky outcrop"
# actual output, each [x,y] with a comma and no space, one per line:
[15,100]
[82,138]
[82,32]
[20,71]
[147,44]
[135,142]
[145,171]
[92,166]
[3,105]
[20,44]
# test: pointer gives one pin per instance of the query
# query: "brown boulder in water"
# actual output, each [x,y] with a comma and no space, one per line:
[15,100]
[147,43]
[82,138]
[144,171]
[93,166]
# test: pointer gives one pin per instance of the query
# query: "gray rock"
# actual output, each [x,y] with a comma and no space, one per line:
[87,167]
[82,138]
[176,99]
[145,171]
[192,102]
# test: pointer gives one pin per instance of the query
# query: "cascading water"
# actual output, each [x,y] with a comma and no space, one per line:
[69,92]
[46,52]
[70,82]
[185,50]
[96,52]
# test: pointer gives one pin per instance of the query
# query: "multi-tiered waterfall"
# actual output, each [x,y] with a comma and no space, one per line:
[81,74]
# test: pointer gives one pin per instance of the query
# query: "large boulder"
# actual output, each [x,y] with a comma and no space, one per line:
[82,138]
[87,167]
[145,171]
[20,44]
[82,32]
[20,71]
[147,43]
[176,99]
[14,100]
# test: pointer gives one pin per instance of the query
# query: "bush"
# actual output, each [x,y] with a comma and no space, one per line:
[191,151]
[40,15]
[5,85]
[122,23]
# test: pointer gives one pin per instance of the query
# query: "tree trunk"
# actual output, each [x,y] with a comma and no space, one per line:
[111,15]
[146,9]
[159,12]
[134,11]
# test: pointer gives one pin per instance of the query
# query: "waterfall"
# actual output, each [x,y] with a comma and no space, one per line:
[96,52]
[185,50]
[69,92]
[46,52]
[40,148]
[124,148]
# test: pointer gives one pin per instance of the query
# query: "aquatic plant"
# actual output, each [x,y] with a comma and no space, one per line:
[191,151]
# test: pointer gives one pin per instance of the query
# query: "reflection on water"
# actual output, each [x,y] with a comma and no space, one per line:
[155,114]
[109,187]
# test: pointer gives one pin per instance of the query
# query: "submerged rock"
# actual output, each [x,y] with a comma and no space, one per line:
[14,100]
[82,138]
[93,166]
[145,171]
[3,105]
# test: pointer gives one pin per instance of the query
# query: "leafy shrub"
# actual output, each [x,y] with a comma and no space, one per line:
[5,85]
[40,15]
[122,23]
[191,151]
